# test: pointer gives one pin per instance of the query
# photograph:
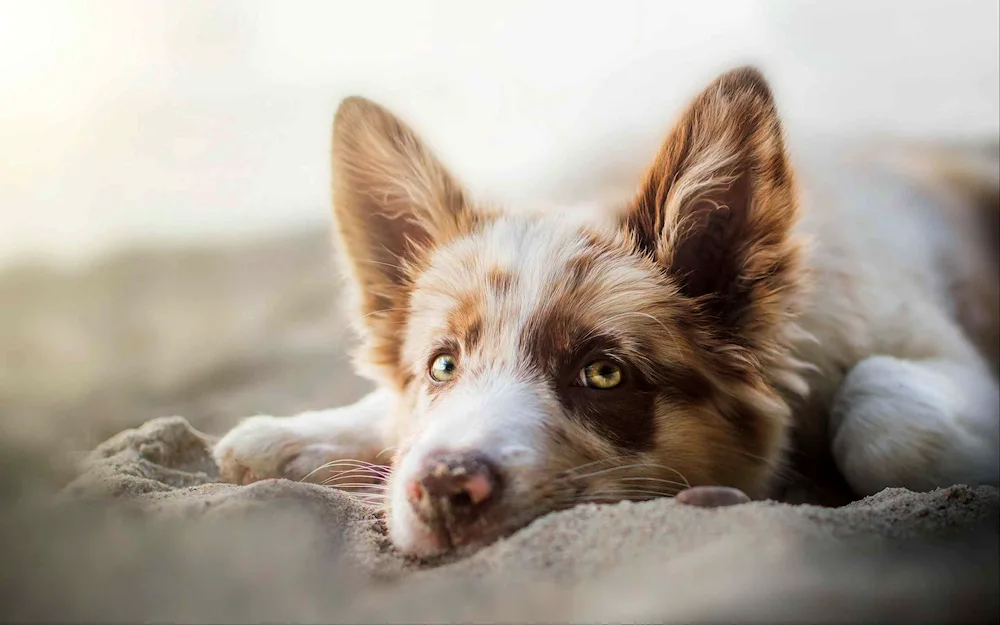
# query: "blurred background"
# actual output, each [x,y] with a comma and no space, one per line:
[164,210]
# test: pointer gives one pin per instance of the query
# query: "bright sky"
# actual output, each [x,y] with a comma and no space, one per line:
[125,121]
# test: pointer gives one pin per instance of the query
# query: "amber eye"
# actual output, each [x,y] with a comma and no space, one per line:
[601,374]
[443,368]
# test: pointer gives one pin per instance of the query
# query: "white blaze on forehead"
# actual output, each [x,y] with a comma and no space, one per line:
[534,252]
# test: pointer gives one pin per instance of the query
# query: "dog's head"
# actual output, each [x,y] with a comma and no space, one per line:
[540,362]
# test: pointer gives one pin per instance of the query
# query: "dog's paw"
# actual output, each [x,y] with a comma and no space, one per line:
[302,448]
[255,449]
[898,423]
[263,447]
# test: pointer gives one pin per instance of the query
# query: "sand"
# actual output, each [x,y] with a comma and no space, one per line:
[145,533]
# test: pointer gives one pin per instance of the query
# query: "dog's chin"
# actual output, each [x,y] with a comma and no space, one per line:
[414,538]
[411,536]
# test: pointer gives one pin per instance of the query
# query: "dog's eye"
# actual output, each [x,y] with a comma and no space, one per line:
[601,374]
[443,368]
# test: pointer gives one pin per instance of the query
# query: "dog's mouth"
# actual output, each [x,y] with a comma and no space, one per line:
[459,536]
[458,504]
[463,534]
[464,539]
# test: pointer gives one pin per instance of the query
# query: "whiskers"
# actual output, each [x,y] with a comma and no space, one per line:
[387,450]
[782,467]
[595,482]
[362,480]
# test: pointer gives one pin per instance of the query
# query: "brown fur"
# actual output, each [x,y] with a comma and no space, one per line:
[718,208]
[694,294]
[392,200]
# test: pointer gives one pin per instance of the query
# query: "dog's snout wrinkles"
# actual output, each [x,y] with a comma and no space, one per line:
[452,489]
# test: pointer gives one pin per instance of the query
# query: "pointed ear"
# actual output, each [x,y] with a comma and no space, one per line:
[393,203]
[718,206]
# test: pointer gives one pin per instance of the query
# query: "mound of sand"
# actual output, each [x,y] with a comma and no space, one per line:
[146,534]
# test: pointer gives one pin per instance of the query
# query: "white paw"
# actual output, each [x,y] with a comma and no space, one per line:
[266,447]
[897,423]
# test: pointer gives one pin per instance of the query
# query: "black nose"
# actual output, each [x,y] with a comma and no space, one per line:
[454,488]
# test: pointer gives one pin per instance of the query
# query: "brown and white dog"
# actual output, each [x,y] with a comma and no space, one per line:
[694,336]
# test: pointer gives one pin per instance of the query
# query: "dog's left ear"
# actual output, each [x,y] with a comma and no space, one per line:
[394,202]
[718,205]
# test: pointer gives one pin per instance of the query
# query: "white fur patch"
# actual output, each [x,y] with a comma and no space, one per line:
[496,415]
[292,447]
[918,425]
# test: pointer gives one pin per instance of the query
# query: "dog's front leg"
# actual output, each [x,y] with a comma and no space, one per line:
[300,447]
[917,424]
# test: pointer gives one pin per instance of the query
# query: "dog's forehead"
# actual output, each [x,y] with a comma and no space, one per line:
[520,276]
[516,262]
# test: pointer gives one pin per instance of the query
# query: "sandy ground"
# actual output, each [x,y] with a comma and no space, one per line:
[179,547]
[215,335]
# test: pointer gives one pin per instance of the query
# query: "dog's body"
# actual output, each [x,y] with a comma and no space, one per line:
[723,320]
[904,312]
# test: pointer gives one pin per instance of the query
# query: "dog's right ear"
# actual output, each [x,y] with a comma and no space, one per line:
[393,203]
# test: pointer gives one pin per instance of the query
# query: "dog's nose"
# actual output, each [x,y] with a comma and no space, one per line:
[453,487]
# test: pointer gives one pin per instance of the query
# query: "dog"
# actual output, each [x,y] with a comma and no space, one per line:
[722,322]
